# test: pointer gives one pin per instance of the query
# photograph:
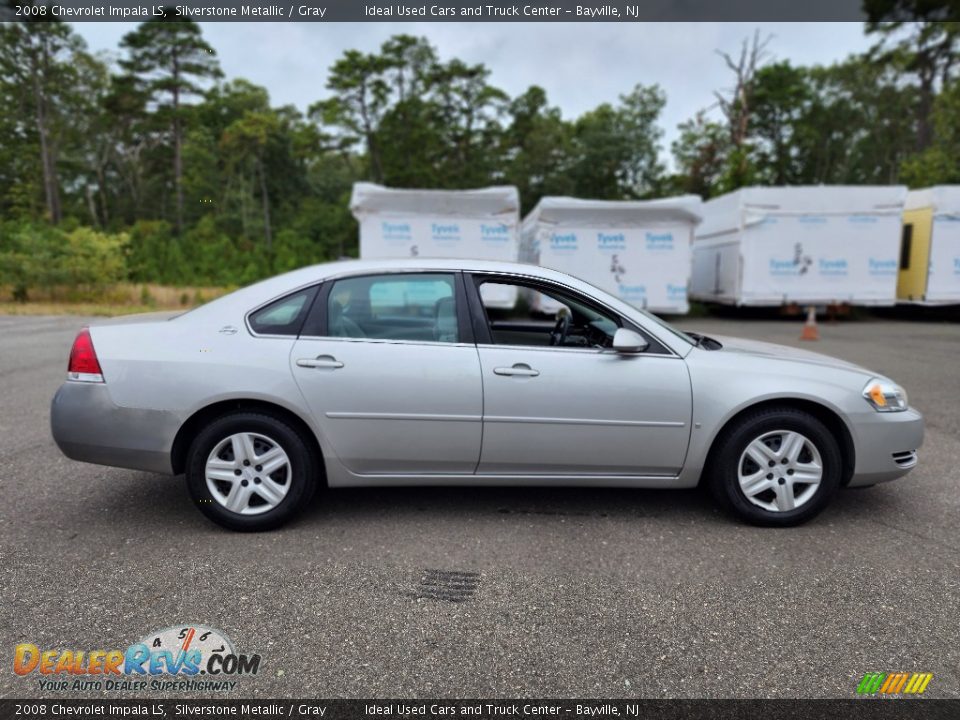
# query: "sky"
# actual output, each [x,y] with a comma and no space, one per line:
[579,64]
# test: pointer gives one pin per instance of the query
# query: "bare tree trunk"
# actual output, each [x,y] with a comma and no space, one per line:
[373,149]
[925,112]
[738,107]
[267,231]
[91,205]
[51,184]
[104,207]
[177,146]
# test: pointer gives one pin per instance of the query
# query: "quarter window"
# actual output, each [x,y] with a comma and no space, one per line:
[284,316]
[416,307]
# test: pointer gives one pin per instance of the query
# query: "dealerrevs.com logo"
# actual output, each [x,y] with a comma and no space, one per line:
[187,657]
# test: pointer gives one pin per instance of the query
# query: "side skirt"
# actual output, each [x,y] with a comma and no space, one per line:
[610,481]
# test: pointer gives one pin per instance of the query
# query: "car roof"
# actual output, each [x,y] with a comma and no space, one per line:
[323,271]
[254,295]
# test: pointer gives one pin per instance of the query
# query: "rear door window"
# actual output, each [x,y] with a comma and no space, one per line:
[414,307]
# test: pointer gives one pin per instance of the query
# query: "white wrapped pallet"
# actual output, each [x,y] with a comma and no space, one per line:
[636,250]
[812,245]
[930,254]
[480,224]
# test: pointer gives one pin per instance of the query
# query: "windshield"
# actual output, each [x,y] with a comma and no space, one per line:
[667,326]
[653,318]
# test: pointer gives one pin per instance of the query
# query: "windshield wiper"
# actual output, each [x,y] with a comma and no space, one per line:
[705,341]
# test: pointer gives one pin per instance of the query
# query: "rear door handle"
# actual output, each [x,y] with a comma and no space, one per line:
[520,369]
[321,361]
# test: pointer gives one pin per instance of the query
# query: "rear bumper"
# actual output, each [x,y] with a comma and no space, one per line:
[885,445]
[88,426]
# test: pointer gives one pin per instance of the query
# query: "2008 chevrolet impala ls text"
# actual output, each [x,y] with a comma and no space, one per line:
[455,372]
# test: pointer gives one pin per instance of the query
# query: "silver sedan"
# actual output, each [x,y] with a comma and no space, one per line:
[452,372]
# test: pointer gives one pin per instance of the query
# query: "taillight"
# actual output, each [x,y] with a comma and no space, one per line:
[84,365]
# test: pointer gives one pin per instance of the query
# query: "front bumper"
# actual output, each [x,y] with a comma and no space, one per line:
[88,426]
[885,445]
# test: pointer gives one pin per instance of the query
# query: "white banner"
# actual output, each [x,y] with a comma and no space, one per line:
[943,283]
[408,237]
[646,267]
[821,259]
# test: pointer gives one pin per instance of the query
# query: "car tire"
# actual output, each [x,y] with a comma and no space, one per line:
[760,485]
[260,496]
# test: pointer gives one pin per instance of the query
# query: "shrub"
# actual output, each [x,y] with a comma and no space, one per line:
[37,257]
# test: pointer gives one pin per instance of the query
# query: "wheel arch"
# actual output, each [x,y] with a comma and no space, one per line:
[829,417]
[208,413]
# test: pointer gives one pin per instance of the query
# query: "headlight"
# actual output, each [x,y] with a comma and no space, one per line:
[885,396]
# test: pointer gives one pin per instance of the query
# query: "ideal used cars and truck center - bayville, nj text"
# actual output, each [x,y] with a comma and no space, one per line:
[312,12]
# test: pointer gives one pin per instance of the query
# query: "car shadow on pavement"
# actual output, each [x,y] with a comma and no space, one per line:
[157,500]
[510,501]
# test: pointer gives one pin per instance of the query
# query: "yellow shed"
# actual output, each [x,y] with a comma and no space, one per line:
[930,247]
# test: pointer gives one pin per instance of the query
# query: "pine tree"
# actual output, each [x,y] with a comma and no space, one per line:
[168,57]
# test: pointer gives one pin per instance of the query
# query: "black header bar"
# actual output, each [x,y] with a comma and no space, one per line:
[440,10]
[178,709]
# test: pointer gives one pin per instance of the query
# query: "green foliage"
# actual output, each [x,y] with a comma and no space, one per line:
[44,257]
[701,153]
[939,163]
[93,259]
[150,244]
[154,170]
[616,147]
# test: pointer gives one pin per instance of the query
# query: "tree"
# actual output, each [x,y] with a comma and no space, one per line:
[362,96]
[536,148]
[737,105]
[919,38]
[247,139]
[857,128]
[700,154]
[37,75]
[939,164]
[168,57]
[780,98]
[616,147]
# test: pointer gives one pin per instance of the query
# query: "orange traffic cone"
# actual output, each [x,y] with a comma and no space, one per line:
[810,329]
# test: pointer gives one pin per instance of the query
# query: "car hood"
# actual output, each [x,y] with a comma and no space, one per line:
[758,348]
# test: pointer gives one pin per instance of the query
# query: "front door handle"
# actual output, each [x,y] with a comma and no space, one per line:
[321,361]
[519,369]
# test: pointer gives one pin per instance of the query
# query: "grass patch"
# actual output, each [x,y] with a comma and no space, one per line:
[121,299]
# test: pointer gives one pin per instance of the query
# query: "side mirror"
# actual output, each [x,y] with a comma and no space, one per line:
[628,341]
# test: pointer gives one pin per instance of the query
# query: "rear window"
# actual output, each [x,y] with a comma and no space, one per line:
[284,316]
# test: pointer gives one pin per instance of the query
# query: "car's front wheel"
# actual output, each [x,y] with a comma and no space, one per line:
[250,471]
[775,467]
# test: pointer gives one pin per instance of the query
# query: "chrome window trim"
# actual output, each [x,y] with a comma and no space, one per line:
[394,341]
[445,269]
[273,336]
[389,341]
[583,350]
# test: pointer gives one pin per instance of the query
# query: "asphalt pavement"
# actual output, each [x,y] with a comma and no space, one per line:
[407,592]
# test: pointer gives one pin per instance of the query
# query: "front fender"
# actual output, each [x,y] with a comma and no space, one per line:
[723,387]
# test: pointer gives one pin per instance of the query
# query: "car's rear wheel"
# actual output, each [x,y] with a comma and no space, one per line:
[250,471]
[775,467]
